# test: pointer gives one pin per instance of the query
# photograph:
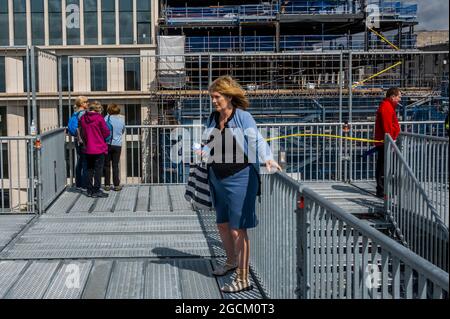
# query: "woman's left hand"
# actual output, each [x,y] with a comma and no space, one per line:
[272,163]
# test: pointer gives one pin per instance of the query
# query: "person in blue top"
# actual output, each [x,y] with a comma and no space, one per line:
[235,150]
[81,105]
[116,124]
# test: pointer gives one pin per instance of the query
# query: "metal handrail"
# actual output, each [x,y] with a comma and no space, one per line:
[389,142]
[423,266]
[416,220]
[427,137]
[300,260]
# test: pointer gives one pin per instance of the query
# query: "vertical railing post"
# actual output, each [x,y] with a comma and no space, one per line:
[71,145]
[303,231]
[210,80]
[341,87]
[386,180]
[33,88]
[350,111]
[60,100]
[200,87]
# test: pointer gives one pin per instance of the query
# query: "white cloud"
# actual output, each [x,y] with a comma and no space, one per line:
[433,14]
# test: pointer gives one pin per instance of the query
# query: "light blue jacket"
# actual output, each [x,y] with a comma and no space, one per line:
[118,125]
[247,136]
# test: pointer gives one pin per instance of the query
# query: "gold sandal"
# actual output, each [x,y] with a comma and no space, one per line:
[237,285]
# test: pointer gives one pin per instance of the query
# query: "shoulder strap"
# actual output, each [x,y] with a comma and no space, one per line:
[210,118]
[112,129]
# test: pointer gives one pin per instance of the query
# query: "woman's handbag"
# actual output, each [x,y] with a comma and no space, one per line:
[197,188]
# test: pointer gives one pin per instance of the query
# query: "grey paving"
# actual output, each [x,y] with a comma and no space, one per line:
[356,198]
[10,226]
[171,278]
[142,242]
[34,281]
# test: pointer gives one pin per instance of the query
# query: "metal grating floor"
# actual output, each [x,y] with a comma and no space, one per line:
[356,198]
[142,242]
[172,278]
[10,226]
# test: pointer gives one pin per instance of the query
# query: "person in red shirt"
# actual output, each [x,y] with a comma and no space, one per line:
[386,123]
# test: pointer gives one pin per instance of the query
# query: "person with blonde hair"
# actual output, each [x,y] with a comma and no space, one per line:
[116,124]
[235,149]
[93,132]
[80,107]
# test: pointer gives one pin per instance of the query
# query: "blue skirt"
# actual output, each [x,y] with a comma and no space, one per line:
[234,198]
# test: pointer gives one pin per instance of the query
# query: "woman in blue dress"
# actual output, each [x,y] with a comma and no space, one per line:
[236,150]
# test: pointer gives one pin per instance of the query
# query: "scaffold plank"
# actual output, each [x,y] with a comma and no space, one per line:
[127,280]
[34,282]
[69,281]
[126,200]
[162,280]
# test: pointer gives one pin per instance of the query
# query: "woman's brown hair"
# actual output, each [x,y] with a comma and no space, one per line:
[227,86]
[113,109]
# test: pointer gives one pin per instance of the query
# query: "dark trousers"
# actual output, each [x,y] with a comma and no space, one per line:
[95,171]
[80,168]
[379,172]
[114,158]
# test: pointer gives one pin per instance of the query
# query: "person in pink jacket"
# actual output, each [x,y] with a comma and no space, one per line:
[93,132]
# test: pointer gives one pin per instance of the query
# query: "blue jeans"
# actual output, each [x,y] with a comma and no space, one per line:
[81,168]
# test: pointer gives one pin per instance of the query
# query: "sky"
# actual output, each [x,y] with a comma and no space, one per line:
[433,14]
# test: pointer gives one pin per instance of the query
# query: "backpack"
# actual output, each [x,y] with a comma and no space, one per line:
[72,126]
[108,140]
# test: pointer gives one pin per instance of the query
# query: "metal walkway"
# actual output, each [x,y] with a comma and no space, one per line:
[356,198]
[142,242]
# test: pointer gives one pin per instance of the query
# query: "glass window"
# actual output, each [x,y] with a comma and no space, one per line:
[4,23]
[65,74]
[20,22]
[73,22]
[90,22]
[2,74]
[3,126]
[133,161]
[4,174]
[37,22]
[133,114]
[55,22]
[126,21]
[144,21]
[108,22]
[132,67]
[98,74]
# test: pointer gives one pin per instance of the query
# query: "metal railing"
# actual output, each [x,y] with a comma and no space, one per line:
[17,187]
[307,247]
[293,42]
[160,153]
[428,158]
[51,174]
[32,171]
[393,10]
[417,219]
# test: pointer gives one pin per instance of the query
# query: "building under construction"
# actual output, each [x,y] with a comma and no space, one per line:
[293,58]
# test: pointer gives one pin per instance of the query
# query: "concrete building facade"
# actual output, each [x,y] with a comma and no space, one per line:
[91,30]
